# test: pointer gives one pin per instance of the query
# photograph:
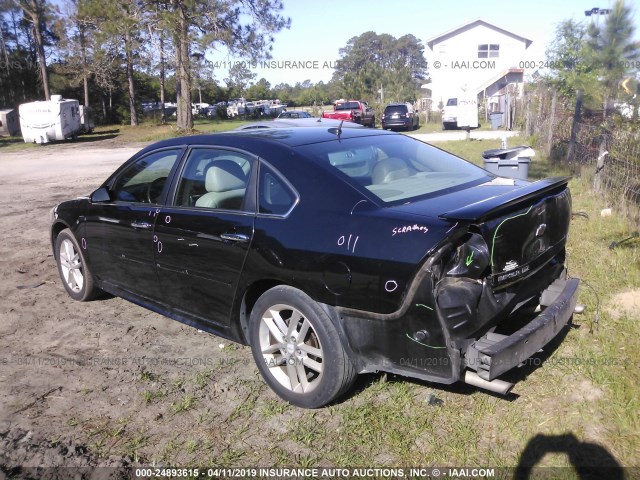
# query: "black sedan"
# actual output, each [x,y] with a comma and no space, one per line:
[331,252]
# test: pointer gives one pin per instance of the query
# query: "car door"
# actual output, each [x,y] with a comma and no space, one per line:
[119,232]
[202,237]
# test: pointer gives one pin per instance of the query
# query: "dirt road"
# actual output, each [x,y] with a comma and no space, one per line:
[96,383]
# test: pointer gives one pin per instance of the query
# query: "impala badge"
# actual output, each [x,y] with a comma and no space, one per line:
[540,230]
[510,265]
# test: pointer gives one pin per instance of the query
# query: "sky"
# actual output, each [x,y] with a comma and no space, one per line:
[320,28]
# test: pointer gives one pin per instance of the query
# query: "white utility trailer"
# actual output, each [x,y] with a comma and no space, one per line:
[9,124]
[56,119]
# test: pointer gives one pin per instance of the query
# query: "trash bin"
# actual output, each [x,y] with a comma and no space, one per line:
[497,119]
[509,162]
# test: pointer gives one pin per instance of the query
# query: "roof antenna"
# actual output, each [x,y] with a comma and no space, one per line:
[337,130]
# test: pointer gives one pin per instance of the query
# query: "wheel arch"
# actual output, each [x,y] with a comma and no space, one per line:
[249,298]
[56,228]
[259,287]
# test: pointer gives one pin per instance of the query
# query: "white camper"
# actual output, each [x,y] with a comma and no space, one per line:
[43,122]
[9,124]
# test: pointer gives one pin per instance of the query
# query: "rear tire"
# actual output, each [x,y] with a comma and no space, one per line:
[297,349]
[73,269]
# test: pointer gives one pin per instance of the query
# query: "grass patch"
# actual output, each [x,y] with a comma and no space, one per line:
[273,407]
[148,376]
[249,391]
[201,378]
[124,134]
[184,404]
[150,395]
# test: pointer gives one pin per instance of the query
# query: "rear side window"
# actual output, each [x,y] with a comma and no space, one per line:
[214,178]
[275,196]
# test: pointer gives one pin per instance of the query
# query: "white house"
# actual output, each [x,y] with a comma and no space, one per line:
[480,57]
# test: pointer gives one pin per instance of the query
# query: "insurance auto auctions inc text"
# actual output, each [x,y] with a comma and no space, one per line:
[352,472]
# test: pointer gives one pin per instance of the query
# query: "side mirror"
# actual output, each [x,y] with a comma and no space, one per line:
[100,195]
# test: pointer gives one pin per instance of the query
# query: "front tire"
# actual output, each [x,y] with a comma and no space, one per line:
[73,269]
[297,348]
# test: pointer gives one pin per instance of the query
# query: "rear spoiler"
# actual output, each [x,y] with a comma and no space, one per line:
[494,206]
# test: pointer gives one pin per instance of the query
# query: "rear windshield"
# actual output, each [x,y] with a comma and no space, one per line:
[347,106]
[452,102]
[395,109]
[395,168]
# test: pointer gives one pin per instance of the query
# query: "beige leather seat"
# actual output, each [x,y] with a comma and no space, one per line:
[226,184]
[390,169]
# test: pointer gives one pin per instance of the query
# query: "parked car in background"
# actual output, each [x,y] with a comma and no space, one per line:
[199,108]
[331,252]
[450,114]
[352,111]
[295,114]
[400,116]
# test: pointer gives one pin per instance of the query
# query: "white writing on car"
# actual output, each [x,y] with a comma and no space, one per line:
[409,228]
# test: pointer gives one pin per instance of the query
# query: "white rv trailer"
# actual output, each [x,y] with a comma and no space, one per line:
[56,119]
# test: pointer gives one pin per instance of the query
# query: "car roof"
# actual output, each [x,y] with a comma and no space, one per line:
[283,135]
[298,122]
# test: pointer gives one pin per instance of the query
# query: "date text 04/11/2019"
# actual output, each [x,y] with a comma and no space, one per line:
[279,64]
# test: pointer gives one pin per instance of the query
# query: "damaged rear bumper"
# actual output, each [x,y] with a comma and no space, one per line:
[493,354]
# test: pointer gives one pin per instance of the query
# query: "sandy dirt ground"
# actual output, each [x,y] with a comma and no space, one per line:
[80,378]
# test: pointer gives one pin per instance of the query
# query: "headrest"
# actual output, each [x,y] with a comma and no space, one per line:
[224,175]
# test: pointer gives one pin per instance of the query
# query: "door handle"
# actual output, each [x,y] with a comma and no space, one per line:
[140,225]
[235,237]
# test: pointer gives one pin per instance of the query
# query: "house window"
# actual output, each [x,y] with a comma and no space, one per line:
[488,50]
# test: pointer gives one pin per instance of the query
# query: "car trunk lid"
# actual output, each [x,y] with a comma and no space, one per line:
[523,228]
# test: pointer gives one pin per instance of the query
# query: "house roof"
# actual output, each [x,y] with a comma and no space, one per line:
[496,78]
[450,33]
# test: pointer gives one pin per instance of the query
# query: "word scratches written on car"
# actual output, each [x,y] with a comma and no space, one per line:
[409,228]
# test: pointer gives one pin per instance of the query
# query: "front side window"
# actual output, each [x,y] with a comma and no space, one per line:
[214,178]
[488,50]
[144,180]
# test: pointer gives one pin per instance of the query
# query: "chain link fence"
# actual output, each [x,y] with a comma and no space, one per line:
[611,155]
